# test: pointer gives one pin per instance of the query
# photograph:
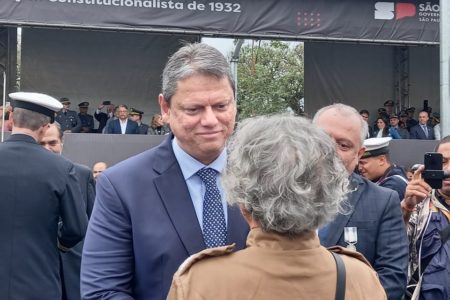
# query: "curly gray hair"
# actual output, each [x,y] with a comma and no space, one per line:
[285,172]
[193,59]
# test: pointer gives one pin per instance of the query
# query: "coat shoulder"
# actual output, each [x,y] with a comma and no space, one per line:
[203,255]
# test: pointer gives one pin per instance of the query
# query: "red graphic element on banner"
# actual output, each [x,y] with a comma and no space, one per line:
[308,19]
[404,10]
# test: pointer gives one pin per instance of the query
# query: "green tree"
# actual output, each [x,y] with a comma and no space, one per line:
[270,78]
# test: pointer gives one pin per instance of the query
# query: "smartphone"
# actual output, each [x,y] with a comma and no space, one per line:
[433,173]
[106,103]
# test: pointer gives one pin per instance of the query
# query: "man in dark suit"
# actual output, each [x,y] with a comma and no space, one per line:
[103,117]
[71,260]
[136,115]
[422,131]
[122,125]
[38,189]
[156,209]
[373,225]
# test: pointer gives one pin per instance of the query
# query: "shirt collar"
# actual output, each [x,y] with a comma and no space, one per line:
[189,165]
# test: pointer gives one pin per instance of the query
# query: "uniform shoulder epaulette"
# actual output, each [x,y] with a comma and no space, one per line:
[351,253]
[210,252]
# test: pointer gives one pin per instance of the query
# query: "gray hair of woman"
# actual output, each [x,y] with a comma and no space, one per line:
[194,59]
[284,171]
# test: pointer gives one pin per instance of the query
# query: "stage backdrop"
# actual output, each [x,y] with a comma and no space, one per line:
[411,21]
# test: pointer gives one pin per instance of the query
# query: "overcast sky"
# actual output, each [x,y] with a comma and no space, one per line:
[223,45]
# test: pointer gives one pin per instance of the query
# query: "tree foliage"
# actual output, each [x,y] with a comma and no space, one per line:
[270,78]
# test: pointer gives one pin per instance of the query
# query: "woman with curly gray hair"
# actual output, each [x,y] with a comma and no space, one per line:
[284,175]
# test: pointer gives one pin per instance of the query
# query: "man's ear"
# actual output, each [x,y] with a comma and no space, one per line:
[361,152]
[164,105]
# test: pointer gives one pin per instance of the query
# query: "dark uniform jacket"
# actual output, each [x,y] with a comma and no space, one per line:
[143,128]
[71,260]
[394,179]
[68,120]
[38,188]
[87,122]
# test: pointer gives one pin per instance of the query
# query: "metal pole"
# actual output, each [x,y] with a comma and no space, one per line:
[4,106]
[234,64]
[445,65]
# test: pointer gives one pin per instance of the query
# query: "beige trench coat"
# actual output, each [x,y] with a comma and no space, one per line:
[273,267]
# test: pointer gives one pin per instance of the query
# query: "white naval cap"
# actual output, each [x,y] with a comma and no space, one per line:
[40,103]
[376,146]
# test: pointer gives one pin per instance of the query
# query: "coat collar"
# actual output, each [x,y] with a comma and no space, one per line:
[21,137]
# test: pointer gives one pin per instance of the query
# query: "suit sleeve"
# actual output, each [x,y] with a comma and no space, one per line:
[107,263]
[73,213]
[109,127]
[90,195]
[391,260]
[413,134]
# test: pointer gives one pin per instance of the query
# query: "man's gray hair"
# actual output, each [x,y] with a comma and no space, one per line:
[285,172]
[32,120]
[345,110]
[194,59]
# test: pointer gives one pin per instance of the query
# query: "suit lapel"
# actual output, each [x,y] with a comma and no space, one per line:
[336,227]
[175,196]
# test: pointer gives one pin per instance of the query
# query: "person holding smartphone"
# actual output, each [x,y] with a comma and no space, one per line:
[427,214]
[103,117]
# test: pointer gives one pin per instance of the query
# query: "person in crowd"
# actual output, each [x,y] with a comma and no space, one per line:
[53,140]
[34,198]
[375,227]
[98,168]
[158,127]
[410,172]
[122,125]
[427,213]
[365,115]
[375,165]
[394,122]
[422,131]
[7,126]
[170,193]
[411,122]
[389,106]
[383,130]
[403,120]
[436,123]
[136,116]
[103,117]
[277,182]
[68,119]
[87,120]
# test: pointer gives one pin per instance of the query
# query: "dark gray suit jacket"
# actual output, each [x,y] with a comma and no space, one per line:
[38,188]
[416,132]
[375,212]
[143,227]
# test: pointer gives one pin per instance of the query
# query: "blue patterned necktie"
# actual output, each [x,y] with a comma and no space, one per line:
[425,130]
[214,226]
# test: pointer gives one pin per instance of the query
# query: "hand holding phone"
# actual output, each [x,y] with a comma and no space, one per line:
[433,173]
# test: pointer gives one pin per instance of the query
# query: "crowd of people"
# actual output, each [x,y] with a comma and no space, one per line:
[115,120]
[403,125]
[316,211]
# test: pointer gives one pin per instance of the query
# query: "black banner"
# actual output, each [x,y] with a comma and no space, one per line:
[401,22]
